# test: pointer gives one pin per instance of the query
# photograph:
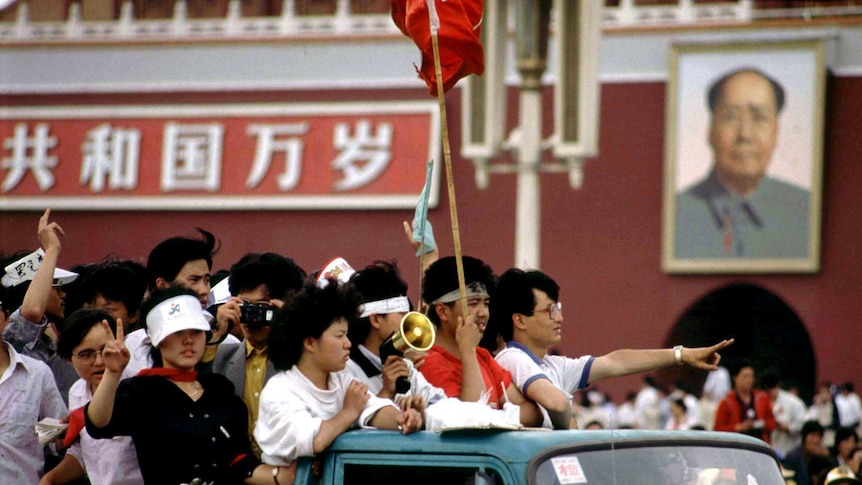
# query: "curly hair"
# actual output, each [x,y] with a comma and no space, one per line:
[308,315]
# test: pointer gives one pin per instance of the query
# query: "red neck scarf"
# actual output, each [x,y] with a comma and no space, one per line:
[175,375]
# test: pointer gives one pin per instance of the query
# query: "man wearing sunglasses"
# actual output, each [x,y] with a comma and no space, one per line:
[529,317]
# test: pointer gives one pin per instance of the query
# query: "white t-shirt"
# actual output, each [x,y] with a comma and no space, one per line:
[565,373]
[292,410]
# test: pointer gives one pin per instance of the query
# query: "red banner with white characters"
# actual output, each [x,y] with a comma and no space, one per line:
[214,157]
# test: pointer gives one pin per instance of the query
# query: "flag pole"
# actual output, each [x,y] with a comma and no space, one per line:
[447,157]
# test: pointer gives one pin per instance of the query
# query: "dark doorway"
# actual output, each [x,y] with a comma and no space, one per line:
[767,331]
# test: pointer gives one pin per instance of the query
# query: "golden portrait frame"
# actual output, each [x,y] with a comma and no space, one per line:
[746,199]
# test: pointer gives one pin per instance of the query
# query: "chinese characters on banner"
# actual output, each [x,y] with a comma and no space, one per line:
[311,156]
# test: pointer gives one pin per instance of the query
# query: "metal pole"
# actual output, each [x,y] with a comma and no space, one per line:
[532,19]
[528,211]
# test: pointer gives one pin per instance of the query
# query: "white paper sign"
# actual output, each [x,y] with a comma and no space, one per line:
[568,470]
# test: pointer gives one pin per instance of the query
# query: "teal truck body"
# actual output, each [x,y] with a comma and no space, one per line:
[541,457]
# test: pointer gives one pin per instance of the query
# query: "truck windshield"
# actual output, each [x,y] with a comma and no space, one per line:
[657,465]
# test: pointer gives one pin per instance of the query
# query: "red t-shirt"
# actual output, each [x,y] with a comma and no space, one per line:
[444,370]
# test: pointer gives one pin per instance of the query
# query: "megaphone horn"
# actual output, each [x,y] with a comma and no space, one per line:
[415,332]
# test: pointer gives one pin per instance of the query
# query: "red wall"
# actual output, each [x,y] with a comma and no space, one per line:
[601,242]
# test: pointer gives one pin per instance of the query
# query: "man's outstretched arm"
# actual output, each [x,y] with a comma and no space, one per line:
[628,361]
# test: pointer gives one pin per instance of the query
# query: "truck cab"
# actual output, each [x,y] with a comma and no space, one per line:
[542,457]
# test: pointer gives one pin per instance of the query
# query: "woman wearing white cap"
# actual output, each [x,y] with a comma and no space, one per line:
[187,428]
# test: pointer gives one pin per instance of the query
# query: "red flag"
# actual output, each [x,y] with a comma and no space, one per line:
[461,53]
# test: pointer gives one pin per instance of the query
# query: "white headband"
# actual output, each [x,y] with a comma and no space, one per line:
[474,289]
[398,304]
[175,314]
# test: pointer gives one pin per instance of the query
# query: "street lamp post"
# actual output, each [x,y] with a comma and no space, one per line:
[573,29]
[532,18]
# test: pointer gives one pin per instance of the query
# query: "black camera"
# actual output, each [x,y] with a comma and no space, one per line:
[256,314]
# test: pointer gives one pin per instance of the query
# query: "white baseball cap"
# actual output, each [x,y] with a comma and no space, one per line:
[182,312]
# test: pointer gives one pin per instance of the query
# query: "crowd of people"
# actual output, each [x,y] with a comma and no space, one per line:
[809,439]
[172,372]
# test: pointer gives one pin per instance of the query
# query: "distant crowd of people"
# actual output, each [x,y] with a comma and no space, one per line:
[810,439]
[168,372]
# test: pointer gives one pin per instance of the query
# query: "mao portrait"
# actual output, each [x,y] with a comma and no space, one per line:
[743,174]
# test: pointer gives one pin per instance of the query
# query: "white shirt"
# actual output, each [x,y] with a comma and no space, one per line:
[626,416]
[27,395]
[292,410]
[687,423]
[566,374]
[648,408]
[788,410]
[138,343]
[419,386]
[849,408]
[717,384]
[106,461]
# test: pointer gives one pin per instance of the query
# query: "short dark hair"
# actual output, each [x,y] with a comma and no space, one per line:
[309,314]
[77,325]
[75,291]
[845,432]
[442,277]
[717,88]
[736,367]
[811,426]
[280,274]
[13,296]
[167,259]
[514,294]
[769,379]
[123,281]
[377,281]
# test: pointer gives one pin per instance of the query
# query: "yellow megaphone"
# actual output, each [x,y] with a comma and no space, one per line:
[415,332]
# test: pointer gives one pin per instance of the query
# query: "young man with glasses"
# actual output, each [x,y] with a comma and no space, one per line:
[529,317]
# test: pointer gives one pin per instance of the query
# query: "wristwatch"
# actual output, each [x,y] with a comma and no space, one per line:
[677,354]
[275,474]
